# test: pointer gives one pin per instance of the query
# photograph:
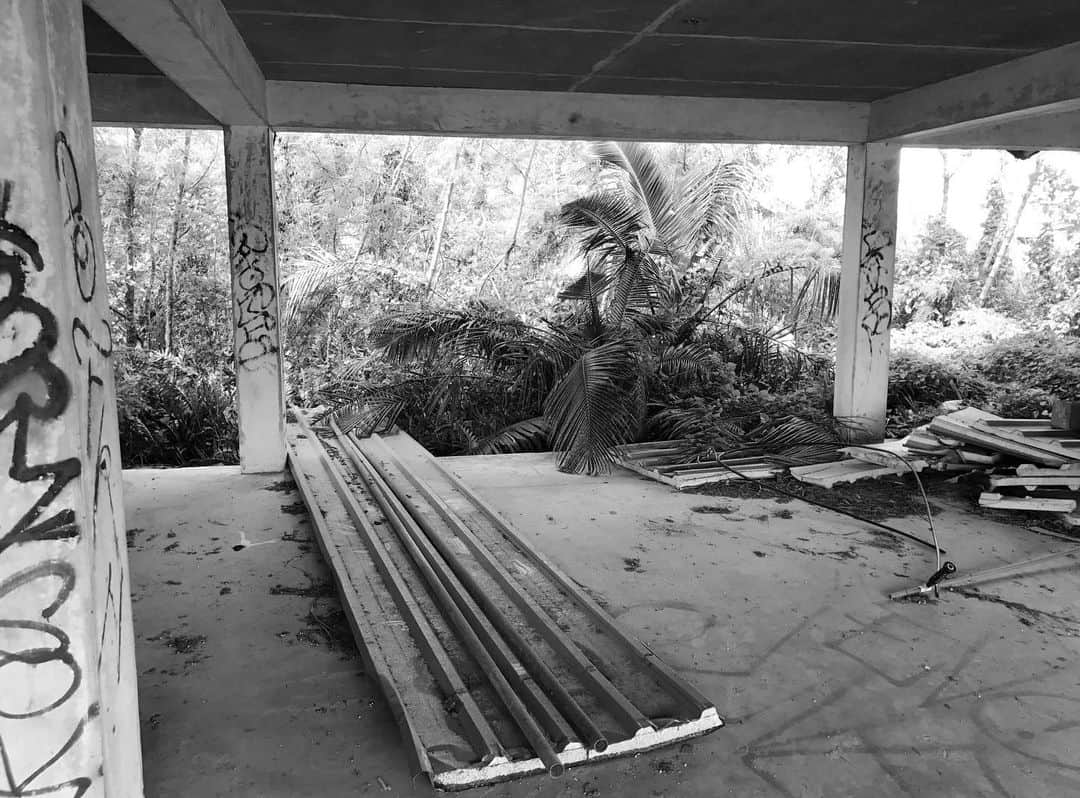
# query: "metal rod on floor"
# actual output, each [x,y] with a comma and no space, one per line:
[541,705]
[479,731]
[397,517]
[630,716]
[1009,571]
[555,699]
[659,668]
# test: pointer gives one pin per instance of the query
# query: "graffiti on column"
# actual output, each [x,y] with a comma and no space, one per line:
[46,648]
[93,344]
[34,393]
[33,389]
[876,294]
[256,322]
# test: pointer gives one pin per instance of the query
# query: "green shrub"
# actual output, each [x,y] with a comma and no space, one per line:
[1019,402]
[173,413]
[916,380]
[1036,361]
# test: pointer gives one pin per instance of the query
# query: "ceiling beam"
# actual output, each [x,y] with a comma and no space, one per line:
[1044,132]
[561,115]
[195,44]
[144,101]
[1044,83]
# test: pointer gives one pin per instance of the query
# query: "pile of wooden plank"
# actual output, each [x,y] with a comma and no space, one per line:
[1035,463]
[861,462]
[672,462]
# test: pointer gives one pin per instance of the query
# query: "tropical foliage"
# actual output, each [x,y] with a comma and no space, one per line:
[654,313]
[697,281]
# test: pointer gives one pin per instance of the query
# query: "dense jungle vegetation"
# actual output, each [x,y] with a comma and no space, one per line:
[494,296]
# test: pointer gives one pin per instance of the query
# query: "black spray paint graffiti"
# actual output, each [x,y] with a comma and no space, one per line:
[877,306]
[93,348]
[26,374]
[41,393]
[83,251]
[44,645]
[256,322]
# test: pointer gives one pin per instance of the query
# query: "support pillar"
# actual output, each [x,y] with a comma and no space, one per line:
[866,290]
[249,180]
[69,723]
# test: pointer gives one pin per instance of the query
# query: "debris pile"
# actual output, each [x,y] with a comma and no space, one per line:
[861,462]
[1034,464]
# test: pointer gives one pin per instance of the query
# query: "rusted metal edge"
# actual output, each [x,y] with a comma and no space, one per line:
[486,744]
[618,704]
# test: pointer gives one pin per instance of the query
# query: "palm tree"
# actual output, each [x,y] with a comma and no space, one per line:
[654,273]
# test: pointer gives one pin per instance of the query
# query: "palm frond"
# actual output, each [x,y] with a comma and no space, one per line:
[643,181]
[693,422]
[611,223]
[590,285]
[477,330]
[317,271]
[647,324]
[369,415]
[709,204]
[530,435]
[626,284]
[819,294]
[784,434]
[587,410]
[684,360]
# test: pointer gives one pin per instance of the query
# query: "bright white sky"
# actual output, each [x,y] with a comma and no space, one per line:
[921,180]
[920,186]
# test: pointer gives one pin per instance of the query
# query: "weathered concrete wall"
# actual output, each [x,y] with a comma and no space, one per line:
[68,709]
[866,289]
[249,182]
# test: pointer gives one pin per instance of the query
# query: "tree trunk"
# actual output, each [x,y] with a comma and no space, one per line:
[505,265]
[999,257]
[174,240]
[432,276]
[946,181]
[131,248]
[375,197]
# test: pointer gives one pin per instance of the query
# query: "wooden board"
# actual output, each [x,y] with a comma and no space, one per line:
[964,425]
[1033,482]
[1037,434]
[996,501]
[670,462]
[828,474]
[890,453]
[1027,468]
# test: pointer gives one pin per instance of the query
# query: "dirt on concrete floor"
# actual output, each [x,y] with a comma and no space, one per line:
[889,497]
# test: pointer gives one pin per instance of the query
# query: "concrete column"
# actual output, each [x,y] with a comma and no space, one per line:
[69,722]
[249,179]
[866,289]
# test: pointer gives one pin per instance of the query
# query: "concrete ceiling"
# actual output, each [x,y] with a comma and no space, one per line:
[854,50]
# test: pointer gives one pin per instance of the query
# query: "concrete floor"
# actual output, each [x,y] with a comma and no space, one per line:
[776,611]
